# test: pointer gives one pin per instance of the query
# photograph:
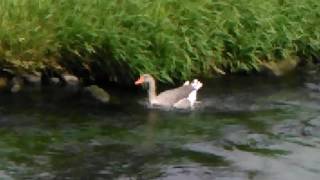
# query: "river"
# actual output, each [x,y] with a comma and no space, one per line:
[246,128]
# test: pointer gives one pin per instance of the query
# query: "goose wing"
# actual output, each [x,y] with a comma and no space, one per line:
[172,96]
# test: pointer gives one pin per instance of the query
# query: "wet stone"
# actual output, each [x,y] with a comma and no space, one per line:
[70,80]
[237,138]
[252,140]
[105,172]
[97,94]
[54,81]
[45,175]
[234,135]
[32,79]
[243,137]
[258,140]
[16,84]
[313,87]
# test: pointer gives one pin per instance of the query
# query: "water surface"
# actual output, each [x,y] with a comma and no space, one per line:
[245,128]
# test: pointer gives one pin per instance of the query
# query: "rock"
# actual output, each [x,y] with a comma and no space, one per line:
[70,80]
[238,136]
[292,128]
[3,82]
[258,140]
[45,175]
[54,81]
[96,93]
[32,79]
[244,139]
[313,87]
[7,71]
[16,84]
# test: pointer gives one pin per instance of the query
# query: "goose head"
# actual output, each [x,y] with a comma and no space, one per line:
[144,78]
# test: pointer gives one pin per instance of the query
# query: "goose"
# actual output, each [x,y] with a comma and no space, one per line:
[191,100]
[181,97]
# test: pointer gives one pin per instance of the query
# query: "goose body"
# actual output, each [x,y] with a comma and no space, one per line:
[181,97]
[189,101]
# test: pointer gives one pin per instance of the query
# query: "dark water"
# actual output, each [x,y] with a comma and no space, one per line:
[255,128]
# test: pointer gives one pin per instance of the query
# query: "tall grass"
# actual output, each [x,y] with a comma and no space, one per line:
[167,38]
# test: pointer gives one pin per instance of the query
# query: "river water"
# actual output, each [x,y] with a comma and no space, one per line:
[255,128]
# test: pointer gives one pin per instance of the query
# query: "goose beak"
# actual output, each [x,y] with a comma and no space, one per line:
[139,81]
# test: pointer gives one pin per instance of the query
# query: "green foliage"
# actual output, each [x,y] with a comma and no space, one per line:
[167,38]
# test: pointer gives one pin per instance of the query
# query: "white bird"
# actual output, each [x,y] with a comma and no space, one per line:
[181,97]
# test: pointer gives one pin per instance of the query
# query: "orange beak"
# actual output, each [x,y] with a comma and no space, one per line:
[139,81]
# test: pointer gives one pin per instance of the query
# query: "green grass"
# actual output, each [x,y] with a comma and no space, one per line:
[171,39]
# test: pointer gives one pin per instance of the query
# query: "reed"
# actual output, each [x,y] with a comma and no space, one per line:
[171,39]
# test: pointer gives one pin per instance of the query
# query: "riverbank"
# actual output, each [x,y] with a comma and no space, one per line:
[117,40]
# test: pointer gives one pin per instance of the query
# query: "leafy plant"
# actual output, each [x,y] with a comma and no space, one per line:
[171,39]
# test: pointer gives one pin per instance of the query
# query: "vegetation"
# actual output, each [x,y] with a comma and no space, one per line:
[167,38]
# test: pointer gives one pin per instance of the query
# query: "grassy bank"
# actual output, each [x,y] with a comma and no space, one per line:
[168,38]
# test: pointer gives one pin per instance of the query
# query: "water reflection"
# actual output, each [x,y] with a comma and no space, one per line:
[152,120]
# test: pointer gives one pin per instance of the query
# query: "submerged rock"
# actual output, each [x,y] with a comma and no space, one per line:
[96,93]
[16,84]
[45,175]
[294,128]
[239,136]
[235,138]
[244,139]
[313,87]
[70,80]
[32,79]
[54,81]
